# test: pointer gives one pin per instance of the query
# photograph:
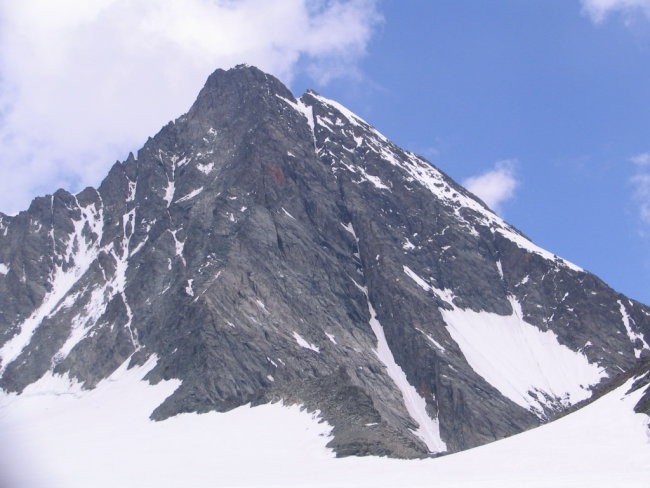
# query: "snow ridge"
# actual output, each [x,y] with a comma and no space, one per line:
[421,171]
[306,111]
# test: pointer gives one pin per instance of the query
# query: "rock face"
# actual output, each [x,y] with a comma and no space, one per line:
[268,248]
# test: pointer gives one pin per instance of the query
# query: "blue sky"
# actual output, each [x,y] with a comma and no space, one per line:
[549,97]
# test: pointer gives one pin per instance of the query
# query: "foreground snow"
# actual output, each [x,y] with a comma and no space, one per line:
[56,435]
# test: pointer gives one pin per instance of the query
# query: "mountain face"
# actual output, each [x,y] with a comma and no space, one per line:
[264,248]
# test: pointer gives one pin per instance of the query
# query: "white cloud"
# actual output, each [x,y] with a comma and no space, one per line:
[599,10]
[496,186]
[641,159]
[641,184]
[81,83]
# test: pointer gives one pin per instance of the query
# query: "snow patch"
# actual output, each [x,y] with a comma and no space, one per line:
[443,293]
[132,189]
[408,245]
[500,268]
[84,322]
[288,214]
[353,118]
[179,245]
[350,229]
[139,247]
[438,346]
[205,168]
[325,122]
[4,269]
[304,110]
[419,281]
[121,256]
[170,189]
[374,180]
[303,343]
[634,336]
[190,195]
[527,365]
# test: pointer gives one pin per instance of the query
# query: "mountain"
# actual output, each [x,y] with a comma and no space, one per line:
[263,248]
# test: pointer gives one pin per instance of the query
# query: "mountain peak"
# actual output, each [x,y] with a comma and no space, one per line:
[263,248]
[238,87]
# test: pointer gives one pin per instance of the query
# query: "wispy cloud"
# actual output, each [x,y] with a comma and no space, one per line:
[641,160]
[641,184]
[496,186]
[599,10]
[83,82]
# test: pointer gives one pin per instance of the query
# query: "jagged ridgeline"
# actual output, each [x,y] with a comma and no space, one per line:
[268,248]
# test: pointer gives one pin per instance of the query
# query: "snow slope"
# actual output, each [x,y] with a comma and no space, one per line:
[524,363]
[57,436]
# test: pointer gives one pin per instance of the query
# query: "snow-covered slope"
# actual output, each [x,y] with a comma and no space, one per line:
[58,436]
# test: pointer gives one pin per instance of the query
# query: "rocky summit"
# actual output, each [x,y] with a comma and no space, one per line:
[263,248]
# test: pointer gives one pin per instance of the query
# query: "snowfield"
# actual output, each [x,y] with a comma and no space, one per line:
[57,436]
[520,360]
